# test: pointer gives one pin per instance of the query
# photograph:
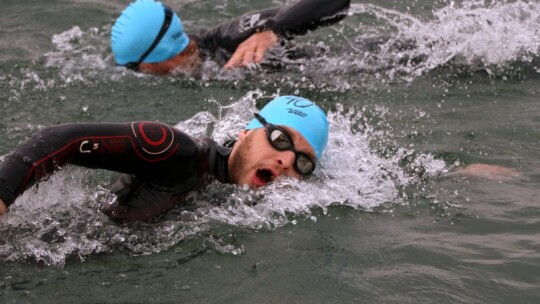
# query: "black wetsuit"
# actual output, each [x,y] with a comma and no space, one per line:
[162,163]
[220,42]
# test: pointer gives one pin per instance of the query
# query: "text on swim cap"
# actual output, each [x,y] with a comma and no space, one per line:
[296,112]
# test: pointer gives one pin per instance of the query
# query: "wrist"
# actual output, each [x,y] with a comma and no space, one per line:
[265,25]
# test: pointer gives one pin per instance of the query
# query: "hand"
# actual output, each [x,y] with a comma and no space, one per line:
[2,207]
[252,50]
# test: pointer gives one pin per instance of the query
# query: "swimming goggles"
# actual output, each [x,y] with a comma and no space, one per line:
[134,65]
[282,141]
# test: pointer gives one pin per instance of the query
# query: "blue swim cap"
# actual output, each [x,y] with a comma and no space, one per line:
[300,114]
[136,29]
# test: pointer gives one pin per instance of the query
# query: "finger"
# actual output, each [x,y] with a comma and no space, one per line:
[248,57]
[259,55]
[235,60]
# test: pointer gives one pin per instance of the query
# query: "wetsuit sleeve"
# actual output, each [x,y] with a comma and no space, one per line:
[307,15]
[287,22]
[152,151]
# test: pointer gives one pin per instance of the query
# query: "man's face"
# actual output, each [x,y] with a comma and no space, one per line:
[254,162]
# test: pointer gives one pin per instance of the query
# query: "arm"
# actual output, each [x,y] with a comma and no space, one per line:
[307,15]
[491,172]
[296,19]
[144,149]
[287,22]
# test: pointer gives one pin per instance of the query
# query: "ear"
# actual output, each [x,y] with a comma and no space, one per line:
[242,135]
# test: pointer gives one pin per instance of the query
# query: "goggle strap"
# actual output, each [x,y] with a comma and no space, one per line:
[164,27]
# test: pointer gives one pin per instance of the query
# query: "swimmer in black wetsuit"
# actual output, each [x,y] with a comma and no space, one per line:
[149,37]
[162,164]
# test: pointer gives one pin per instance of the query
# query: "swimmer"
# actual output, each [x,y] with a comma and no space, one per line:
[149,37]
[161,164]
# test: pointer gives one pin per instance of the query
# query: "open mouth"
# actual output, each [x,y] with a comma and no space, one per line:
[264,176]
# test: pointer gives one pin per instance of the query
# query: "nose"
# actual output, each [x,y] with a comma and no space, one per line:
[285,160]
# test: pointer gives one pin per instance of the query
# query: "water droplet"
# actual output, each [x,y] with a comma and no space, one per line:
[118,239]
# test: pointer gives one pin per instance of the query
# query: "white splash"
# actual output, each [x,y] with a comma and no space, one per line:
[80,54]
[474,34]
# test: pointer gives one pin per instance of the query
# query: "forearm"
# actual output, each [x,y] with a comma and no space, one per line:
[42,154]
[493,172]
[306,15]
[287,21]
[230,34]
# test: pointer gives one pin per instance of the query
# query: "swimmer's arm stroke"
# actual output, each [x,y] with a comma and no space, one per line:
[149,150]
[292,20]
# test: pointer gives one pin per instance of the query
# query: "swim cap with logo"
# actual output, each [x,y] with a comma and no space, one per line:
[300,114]
[138,29]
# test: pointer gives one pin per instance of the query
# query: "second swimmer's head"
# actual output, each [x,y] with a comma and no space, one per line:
[147,32]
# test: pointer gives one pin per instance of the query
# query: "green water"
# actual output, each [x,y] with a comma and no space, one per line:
[373,226]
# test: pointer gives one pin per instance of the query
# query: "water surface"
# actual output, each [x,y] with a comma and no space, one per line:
[413,89]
